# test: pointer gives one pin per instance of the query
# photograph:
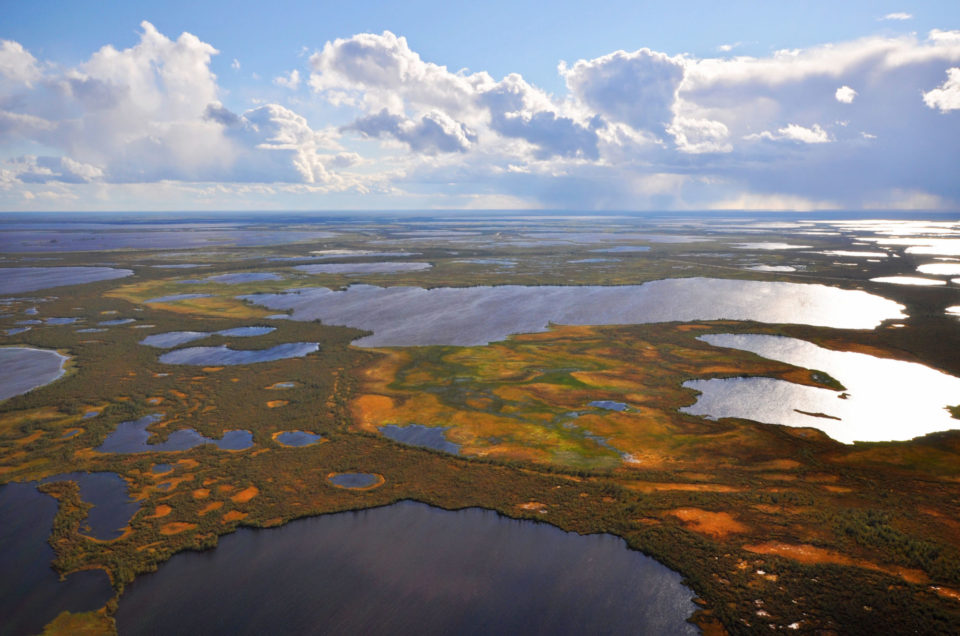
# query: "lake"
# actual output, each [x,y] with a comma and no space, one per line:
[409,568]
[410,316]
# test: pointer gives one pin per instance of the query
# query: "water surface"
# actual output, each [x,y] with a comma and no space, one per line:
[409,569]
[297,438]
[31,593]
[418,435]
[354,480]
[884,400]
[410,316]
[132,436]
[23,369]
[14,280]
[215,356]
[362,268]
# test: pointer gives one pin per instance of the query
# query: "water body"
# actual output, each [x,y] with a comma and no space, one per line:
[769,246]
[362,268]
[159,469]
[112,506]
[298,438]
[610,405]
[174,338]
[115,322]
[623,249]
[23,369]
[14,280]
[410,316]
[61,321]
[179,236]
[909,280]
[772,268]
[596,260]
[175,297]
[354,480]
[31,593]
[940,269]
[180,266]
[132,436]
[502,262]
[410,568]
[885,400]
[239,277]
[215,356]
[418,435]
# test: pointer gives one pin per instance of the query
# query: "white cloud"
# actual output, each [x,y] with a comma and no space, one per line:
[235,64]
[947,96]
[17,64]
[291,81]
[898,16]
[637,88]
[434,132]
[845,95]
[795,132]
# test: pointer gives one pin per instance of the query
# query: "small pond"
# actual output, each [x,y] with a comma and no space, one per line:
[132,436]
[418,435]
[224,355]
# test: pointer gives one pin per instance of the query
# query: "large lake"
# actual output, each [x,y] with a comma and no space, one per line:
[409,569]
[16,280]
[23,369]
[410,316]
[884,400]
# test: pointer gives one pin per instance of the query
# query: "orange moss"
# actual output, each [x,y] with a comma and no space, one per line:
[245,495]
[273,404]
[161,511]
[812,555]
[715,524]
[176,527]
[234,515]
[210,507]
[201,493]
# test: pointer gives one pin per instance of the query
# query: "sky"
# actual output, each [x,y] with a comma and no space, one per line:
[690,105]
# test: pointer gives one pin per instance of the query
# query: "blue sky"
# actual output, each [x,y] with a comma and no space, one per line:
[386,105]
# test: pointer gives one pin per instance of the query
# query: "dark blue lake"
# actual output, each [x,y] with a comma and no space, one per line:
[409,569]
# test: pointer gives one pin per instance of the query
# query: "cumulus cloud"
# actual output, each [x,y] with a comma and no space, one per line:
[152,112]
[291,80]
[795,132]
[636,129]
[845,95]
[947,96]
[637,88]
[434,132]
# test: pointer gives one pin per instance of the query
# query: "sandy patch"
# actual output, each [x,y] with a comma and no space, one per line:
[714,524]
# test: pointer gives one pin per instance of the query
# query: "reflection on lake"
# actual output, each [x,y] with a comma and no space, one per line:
[132,436]
[940,269]
[31,593]
[410,316]
[14,280]
[885,400]
[23,369]
[214,356]
[418,435]
[410,568]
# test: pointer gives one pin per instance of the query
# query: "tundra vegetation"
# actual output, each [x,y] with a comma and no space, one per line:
[769,525]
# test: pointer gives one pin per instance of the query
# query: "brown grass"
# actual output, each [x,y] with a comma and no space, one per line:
[245,495]
[176,527]
[715,524]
